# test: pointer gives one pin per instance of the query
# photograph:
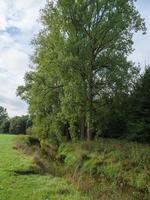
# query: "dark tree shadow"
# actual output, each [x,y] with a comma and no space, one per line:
[26,172]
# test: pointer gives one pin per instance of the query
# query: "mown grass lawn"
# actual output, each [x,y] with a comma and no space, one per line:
[16,186]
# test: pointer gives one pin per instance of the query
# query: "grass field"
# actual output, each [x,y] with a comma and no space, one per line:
[104,170]
[17,182]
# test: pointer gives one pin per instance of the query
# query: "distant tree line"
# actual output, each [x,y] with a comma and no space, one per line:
[83,85]
[14,125]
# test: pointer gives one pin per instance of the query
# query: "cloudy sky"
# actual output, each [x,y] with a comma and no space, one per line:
[18,24]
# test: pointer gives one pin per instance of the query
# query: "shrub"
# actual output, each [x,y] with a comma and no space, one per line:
[18,125]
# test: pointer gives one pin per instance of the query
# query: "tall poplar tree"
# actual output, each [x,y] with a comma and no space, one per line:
[82,41]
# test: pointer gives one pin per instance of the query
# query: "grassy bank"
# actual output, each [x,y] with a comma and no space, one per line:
[18,180]
[109,169]
[106,169]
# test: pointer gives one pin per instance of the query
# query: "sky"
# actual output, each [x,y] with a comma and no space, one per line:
[19,22]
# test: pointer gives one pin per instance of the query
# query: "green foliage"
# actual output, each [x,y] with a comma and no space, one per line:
[4,120]
[18,125]
[80,62]
[139,118]
[15,125]
[70,159]
[3,113]
[107,168]
[5,126]
[114,169]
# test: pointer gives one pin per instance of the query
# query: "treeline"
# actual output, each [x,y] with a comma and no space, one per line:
[14,125]
[82,85]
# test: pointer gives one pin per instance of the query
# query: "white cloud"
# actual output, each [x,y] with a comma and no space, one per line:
[3,14]
[18,24]
[25,14]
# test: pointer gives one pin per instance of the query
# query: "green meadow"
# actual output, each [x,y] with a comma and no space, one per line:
[17,182]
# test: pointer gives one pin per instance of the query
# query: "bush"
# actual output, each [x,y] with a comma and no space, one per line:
[139,118]
[5,126]
[18,125]
[4,120]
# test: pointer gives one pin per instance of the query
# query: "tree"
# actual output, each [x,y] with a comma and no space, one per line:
[139,118]
[82,46]
[112,110]
[3,120]
[18,125]
[100,35]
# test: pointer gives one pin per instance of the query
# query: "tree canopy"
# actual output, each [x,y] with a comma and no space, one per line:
[81,67]
[139,116]
[4,124]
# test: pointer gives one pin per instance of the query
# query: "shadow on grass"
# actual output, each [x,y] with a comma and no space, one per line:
[26,172]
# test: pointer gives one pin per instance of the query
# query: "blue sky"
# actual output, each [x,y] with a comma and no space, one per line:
[18,25]
[141,42]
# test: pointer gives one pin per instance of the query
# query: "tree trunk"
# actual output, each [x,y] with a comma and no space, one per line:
[90,105]
[89,119]
[82,128]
